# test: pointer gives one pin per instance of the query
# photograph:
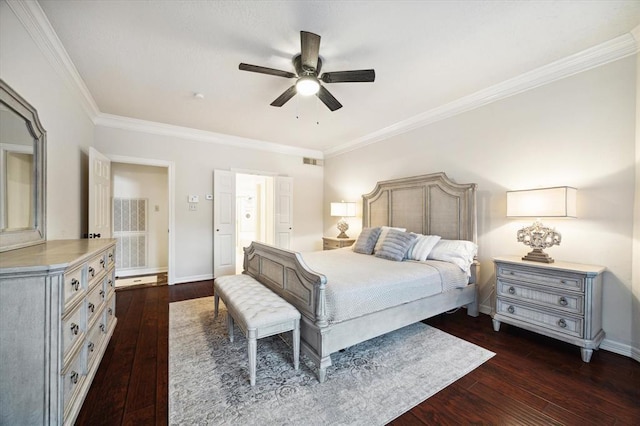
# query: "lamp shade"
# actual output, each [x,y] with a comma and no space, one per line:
[559,201]
[343,209]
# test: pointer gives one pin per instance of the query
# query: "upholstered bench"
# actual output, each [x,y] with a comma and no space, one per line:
[258,311]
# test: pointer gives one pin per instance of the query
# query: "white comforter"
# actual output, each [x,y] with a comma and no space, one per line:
[359,284]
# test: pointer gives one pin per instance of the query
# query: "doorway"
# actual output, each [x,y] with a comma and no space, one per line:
[254,212]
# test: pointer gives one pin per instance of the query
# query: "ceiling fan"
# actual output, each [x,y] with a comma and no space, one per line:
[307,65]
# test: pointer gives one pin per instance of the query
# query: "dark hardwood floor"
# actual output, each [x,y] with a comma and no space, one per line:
[531,380]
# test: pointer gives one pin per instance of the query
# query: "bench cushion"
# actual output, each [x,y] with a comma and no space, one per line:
[255,303]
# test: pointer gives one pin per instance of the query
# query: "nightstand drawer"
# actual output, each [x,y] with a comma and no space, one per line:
[568,302]
[561,280]
[558,323]
[329,243]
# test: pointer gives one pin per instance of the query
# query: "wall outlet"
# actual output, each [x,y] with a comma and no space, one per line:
[193,207]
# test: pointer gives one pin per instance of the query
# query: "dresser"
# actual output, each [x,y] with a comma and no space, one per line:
[560,300]
[331,243]
[57,314]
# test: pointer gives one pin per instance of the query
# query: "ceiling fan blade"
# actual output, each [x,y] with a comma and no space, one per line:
[355,76]
[265,70]
[282,99]
[328,99]
[310,49]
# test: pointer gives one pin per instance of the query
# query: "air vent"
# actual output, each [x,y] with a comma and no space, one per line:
[312,161]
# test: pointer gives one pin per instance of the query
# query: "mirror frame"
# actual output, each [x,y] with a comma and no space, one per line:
[10,240]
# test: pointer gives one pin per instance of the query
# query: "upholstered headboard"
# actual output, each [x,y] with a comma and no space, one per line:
[428,204]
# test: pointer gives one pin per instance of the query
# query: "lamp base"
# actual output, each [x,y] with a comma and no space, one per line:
[342,235]
[537,255]
[342,227]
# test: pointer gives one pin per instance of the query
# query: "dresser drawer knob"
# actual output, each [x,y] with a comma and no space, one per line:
[103,328]
[75,284]
[75,328]
[91,307]
[110,283]
[110,255]
[90,346]
[563,301]
[74,377]
[511,309]
[110,311]
[562,323]
[102,263]
[511,273]
[563,281]
[102,294]
[92,271]
[512,290]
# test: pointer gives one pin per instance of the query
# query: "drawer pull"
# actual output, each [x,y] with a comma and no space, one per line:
[563,301]
[110,283]
[110,311]
[92,271]
[511,309]
[102,263]
[91,307]
[511,273]
[512,290]
[74,377]
[102,294]
[103,328]
[75,328]
[110,255]
[562,323]
[563,281]
[90,346]
[75,284]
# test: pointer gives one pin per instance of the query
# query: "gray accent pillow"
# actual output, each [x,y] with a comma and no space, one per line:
[366,240]
[395,245]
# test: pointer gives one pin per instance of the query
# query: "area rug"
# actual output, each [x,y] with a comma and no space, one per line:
[370,383]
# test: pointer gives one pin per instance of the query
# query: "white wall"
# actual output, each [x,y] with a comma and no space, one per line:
[194,165]
[69,128]
[579,131]
[150,182]
[635,323]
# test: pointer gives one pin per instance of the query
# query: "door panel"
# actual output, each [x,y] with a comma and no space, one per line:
[284,211]
[224,223]
[99,195]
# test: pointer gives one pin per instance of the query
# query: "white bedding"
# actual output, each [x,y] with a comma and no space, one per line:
[358,284]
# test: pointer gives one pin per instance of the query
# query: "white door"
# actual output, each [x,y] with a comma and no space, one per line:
[224,223]
[283,195]
[99,195]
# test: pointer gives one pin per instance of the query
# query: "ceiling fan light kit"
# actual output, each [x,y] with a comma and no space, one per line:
[307,65]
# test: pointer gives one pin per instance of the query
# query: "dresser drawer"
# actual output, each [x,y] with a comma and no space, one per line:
[111,257]
[569,302]
[558,279]
[110,282]
[72,379]
[559,323]
[110,312]
[95,301]
[97,267]
[74,285]
[73,330]
[95,339]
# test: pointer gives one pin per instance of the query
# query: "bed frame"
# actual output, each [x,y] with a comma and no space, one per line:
[427,204]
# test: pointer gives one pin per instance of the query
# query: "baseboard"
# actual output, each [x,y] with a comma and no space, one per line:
[484,309]
[620,349]
[137,272]
[192,278]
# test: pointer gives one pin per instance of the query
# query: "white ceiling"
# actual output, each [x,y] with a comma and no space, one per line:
[146,59]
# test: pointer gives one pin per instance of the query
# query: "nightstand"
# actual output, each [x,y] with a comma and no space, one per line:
[330,243]
[560,300]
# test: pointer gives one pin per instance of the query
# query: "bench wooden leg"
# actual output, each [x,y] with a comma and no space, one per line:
[296,345]
[230,326]
[216,301]
[252,347]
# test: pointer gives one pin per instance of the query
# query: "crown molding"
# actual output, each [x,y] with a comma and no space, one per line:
[604,53]
[151,127]
[39,28]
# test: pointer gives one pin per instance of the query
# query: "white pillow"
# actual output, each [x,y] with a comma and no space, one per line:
[422,247]
[458,252]
[383,234]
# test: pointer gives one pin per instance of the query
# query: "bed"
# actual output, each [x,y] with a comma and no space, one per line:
[429,204]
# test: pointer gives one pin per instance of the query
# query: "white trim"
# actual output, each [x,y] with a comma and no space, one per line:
[604,53]
[34,20]
[135,272]
[171,167]
[194,278]
[151,127]
[620,349]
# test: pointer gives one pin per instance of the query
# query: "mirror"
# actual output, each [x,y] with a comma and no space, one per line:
[22,172]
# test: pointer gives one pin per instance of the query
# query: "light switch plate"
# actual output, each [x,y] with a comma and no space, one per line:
[194,198]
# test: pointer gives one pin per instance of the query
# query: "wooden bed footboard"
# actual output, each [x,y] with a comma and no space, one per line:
[285,272]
